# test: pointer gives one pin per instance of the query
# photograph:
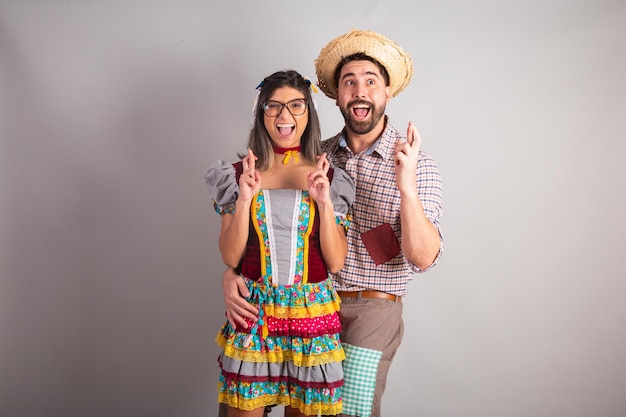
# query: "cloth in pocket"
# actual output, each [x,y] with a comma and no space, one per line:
[381,243]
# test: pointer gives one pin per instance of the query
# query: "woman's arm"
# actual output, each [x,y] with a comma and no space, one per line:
[234,233]
[235,227]
[333,241]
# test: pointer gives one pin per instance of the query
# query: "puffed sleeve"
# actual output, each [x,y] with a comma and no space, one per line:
[222,185]
[342,193]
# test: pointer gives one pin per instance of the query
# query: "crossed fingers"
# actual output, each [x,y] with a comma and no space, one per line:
[250,179]
[317,181]
[413,137]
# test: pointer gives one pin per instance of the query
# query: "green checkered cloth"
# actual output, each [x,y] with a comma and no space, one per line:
[359,379]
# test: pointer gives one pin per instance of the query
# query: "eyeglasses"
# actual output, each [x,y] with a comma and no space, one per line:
[296,107]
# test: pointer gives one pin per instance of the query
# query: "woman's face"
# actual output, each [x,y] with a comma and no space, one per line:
[286,116]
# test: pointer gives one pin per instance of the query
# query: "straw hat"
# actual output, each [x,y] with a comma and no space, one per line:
[396,60]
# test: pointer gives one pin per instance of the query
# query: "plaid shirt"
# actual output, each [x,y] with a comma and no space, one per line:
[377,202]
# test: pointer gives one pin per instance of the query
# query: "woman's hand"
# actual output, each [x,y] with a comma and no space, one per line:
[250,179]
[318,183]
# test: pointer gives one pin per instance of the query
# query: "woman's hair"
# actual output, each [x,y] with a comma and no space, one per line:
[260,141]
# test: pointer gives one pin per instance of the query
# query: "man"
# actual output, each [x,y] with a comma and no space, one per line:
[395,218]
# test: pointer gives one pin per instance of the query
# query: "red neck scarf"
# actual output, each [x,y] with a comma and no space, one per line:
[288,152]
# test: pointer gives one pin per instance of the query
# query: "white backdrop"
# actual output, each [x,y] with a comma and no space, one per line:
[111,111]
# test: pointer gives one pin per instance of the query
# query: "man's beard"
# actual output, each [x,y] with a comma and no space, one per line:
[365,126]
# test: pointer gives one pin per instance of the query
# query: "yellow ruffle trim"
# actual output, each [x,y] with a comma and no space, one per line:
[308,409]
[300,312]
[299,359]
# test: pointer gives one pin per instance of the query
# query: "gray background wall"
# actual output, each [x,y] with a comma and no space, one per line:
[110,275]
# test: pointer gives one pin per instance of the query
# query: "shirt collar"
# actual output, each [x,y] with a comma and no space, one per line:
[383,146]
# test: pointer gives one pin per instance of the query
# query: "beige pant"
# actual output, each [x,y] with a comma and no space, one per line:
[373,324]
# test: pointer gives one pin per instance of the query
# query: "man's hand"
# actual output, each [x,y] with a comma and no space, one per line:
[238,309]
[406,156]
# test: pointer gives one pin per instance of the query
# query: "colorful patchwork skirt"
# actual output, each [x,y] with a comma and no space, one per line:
[291,356]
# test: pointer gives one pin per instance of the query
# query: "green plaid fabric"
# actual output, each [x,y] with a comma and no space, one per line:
[359,379]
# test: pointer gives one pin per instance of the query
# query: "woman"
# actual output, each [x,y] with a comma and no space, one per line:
[284,218]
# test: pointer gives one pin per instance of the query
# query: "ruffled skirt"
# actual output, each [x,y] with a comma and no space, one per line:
[291,356]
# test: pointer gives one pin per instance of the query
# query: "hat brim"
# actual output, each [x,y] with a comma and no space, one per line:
[396,60]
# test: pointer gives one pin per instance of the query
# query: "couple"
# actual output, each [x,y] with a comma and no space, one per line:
[309,225]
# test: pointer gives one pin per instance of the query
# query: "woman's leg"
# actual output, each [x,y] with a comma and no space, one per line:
[293,412]
[223,410]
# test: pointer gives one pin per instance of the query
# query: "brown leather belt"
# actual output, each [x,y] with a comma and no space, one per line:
[379,295]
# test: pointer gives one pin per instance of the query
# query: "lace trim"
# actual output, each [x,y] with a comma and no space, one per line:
[316,310]
[236,401]
[298,358]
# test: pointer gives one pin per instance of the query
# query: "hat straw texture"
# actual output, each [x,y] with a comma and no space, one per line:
[390,55]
